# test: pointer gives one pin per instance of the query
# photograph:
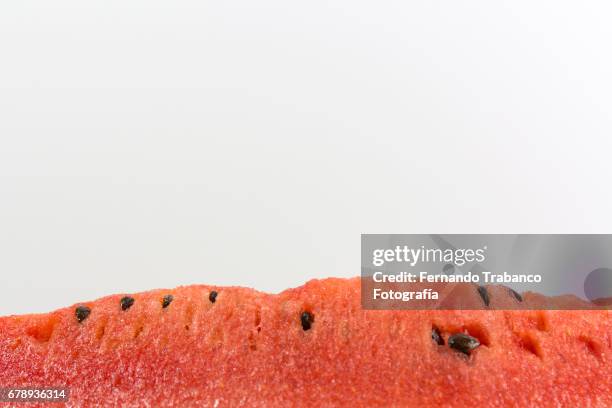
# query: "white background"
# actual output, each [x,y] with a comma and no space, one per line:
[149,144]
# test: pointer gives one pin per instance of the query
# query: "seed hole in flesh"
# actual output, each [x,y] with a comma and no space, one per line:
[307,320]
[216,336]
[126,302]
[167,300]
[436,336]
[189,316]
[101,330]
[43,330]
[531,344]
[252,342]
[138,330]
[213,296]
[82,313]
[593,346]
[463,343]
[257,317]
[484,294]
[543,323]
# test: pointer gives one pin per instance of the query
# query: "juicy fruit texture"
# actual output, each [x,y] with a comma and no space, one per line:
[309,346]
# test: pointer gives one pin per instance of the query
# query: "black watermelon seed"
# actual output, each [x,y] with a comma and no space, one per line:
[436,337]
[213,296]
[307,319]
[126,302]
[463,343]
[167,300]
[482,291]
[82,313]
[516,295]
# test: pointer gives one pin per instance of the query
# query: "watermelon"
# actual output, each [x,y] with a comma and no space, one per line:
[310,346]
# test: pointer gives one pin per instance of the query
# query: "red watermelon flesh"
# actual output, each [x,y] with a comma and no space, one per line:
[309,346]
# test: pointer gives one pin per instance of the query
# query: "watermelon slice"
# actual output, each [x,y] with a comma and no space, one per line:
[308,346]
